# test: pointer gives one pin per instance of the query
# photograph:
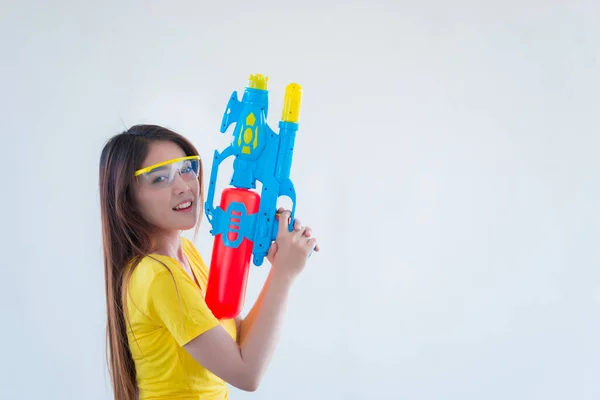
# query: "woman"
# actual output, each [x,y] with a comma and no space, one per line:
[163,340]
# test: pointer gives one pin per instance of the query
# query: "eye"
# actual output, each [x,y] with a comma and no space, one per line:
[159,179]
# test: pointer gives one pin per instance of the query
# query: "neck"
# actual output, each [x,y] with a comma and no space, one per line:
[169,244]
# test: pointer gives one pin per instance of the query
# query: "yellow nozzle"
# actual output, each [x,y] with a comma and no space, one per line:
[258,81]
[292,102]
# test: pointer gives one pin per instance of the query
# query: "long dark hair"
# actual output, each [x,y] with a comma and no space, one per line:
[126,237]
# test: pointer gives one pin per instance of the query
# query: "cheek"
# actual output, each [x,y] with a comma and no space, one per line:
[195,187]
[152,204]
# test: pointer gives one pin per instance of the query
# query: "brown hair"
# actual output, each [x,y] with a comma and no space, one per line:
[126,237]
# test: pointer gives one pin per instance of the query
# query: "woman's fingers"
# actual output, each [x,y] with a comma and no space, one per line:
[284,217]
[297,224]
[299,231]
[272,250]
[312,242]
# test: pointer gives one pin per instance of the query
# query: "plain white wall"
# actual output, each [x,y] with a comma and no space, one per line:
[447,160]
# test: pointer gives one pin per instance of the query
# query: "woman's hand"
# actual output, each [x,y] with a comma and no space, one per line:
[289,252]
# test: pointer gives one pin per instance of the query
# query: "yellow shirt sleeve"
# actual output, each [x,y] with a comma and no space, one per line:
[178,304]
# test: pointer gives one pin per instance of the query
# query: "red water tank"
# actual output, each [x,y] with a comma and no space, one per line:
[228,275]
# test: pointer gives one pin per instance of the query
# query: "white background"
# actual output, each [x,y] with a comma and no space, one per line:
[447,160]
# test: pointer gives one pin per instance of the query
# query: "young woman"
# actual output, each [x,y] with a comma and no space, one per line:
[163,340]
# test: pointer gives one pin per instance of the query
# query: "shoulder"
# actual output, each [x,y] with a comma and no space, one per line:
[138,281]
[143,274]
[150,266]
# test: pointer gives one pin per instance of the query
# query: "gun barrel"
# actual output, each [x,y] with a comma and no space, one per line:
[292,102]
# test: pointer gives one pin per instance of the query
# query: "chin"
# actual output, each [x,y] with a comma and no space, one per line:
[186,223]
[184,226]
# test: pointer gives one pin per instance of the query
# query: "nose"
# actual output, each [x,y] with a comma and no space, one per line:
[179,185]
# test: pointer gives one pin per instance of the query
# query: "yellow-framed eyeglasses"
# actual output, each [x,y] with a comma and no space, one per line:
[162,174]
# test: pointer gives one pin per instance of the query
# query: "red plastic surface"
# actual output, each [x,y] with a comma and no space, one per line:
[228,275]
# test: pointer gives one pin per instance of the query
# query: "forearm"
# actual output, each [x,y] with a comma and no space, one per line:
[260,330]
[246,323]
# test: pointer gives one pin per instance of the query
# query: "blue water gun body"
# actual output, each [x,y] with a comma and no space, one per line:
[260,154]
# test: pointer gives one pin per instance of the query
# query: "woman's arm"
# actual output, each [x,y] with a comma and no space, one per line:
[244,363]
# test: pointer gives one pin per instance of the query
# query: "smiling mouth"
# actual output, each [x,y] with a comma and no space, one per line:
[183,206]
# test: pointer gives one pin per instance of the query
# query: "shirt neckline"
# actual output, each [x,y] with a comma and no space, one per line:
[195,281]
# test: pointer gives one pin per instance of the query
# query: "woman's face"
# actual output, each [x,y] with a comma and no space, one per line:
[161,202]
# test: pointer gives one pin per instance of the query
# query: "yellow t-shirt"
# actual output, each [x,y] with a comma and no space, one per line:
[160,323]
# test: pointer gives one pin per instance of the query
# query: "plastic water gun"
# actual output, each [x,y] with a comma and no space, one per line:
[245,223]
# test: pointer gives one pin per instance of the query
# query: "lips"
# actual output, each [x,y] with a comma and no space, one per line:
[183,206]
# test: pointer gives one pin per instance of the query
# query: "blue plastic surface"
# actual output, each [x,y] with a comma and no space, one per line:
[264,156]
